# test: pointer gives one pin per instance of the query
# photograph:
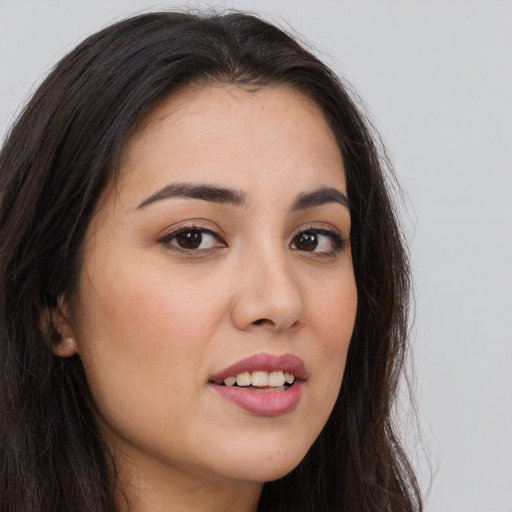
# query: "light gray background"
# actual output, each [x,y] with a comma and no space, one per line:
[437,78]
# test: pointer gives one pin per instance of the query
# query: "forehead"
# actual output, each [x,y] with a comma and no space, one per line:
[245,138]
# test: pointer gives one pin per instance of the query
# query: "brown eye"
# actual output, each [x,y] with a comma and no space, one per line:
[189,239]
[306,241]
[193,240]
[321,242]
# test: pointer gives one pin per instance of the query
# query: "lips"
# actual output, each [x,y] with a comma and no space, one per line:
[263,362]
[262,400]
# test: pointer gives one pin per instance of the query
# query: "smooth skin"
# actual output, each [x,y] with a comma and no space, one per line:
[156,314]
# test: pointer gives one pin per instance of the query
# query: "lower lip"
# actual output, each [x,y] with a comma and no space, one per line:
[269,403]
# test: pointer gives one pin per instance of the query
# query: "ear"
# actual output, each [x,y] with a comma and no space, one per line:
[58,329]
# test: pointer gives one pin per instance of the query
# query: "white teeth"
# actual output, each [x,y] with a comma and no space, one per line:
[230,381]
[260,379]
[243,379]
[289,377]
[276,379]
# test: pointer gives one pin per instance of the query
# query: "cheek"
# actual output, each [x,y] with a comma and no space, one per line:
[142,306]
[334,309]
[140,333]
[332,320]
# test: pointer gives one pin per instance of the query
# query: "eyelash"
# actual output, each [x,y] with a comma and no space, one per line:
[169,237]
[338,241]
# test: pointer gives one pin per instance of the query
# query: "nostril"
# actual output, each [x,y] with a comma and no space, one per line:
[262,321]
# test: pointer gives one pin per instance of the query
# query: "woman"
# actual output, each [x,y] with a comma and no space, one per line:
[204,287]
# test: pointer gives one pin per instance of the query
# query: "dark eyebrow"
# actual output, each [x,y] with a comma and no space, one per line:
[319,197]
[205,192]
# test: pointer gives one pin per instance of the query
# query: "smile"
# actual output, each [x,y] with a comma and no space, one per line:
[261,379]
[264,384]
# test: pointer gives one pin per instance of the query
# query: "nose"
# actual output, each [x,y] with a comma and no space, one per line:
[269,296]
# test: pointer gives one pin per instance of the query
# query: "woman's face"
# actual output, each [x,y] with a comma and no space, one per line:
[221,252]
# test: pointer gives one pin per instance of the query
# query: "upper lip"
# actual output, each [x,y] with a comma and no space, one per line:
[264,362]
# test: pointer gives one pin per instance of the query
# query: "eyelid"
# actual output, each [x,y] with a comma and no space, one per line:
[199,224]
[323,228]
[319,226]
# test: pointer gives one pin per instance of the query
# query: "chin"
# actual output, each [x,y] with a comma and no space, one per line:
[265,464]
[265,473]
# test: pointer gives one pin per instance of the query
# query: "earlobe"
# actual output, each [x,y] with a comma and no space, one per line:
[58,330]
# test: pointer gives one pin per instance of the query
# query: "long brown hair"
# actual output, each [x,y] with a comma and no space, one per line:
[56,161]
